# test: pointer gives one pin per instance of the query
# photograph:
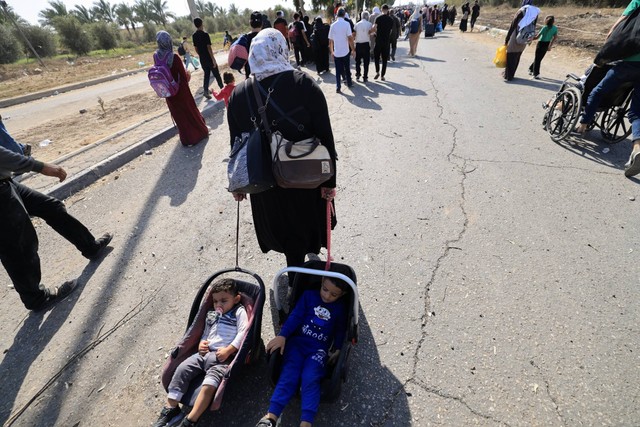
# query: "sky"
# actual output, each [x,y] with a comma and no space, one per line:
[29,9]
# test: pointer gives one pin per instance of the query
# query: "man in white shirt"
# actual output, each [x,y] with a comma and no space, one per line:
[363,30]
[341,47]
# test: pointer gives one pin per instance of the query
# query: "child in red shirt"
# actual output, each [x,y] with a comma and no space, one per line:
[225,93]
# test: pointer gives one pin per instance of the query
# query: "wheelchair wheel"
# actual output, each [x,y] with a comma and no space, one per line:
[563,113]
[613,126]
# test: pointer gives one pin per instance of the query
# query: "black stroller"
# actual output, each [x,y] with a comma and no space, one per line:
[563,111]
[309,277]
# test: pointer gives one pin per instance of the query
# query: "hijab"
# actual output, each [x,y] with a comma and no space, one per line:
[269,54]
[527,3]
[165,46]
[530,14]
[416,14]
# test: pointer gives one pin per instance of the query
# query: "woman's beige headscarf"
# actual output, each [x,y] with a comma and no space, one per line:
[269,54]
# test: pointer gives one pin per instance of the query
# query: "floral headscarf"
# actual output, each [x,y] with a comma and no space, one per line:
[165,46]
[269,54]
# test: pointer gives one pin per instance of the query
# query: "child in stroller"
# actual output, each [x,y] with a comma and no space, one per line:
[317,324]
[224,331]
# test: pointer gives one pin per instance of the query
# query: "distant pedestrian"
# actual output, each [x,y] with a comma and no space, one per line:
[188,119]
[342,47]
[300,41]
[255,22]
[546,37]
[202,43]
[526,15]
[19,242]
[321,45]
[188,59]
[465,16]
[475,13]
[363,29]
[230,84]
[280,24]
[445,16]
[395,33]
[452,15]
[227,39]
[414,37]
[382,29]
[372,18]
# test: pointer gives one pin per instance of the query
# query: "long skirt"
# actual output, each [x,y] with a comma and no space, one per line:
[413,43]
[463,25]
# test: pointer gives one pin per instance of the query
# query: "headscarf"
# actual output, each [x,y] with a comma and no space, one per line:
[415,15]
[527,3]
[165,46]
[268,54]
[376,10]
[530,15]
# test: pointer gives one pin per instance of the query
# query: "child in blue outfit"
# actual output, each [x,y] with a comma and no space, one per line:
[317,321]
[222,336]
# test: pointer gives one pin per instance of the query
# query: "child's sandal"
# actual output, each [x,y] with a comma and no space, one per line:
[266,422]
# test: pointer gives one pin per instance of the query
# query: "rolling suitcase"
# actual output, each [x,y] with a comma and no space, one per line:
[429,30]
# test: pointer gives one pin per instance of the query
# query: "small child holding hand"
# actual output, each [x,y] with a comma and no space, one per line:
[317,321]
[222,336]
[225,93]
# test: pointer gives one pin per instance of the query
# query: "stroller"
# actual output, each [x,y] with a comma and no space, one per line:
[563,111]
[252,347]
[309,277]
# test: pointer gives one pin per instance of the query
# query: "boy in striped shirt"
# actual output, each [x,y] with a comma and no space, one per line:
[222,336]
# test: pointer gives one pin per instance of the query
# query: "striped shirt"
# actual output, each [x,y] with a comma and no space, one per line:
[226,329]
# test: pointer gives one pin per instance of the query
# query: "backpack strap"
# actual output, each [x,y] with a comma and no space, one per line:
[300,127]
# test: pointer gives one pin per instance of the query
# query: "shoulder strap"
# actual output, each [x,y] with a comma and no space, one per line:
[254,119]
[261,107]
[279,110]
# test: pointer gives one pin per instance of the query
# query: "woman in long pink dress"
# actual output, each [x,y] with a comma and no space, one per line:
[191,125]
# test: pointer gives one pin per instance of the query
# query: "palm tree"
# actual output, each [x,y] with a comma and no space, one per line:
[10,16]
[83,14]
[159,9]
[104,11]
[142,9]
[57,9]
[233,9]
[124,16]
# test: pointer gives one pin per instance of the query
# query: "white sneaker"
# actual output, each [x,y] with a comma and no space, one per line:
[632,167]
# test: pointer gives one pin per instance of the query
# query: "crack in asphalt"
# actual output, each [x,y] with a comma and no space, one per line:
[454,159]
[546,386]
[458,399]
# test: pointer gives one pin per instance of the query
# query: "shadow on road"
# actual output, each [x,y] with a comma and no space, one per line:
[591,147]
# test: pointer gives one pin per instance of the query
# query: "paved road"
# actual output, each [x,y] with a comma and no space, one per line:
[497,270]
[55,107]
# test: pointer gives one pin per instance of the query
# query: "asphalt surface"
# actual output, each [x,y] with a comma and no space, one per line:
[496,269]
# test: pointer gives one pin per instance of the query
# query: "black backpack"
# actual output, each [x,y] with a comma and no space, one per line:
[623,42]
[181,50]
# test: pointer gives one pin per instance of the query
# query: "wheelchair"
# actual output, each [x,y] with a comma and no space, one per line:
[563,111]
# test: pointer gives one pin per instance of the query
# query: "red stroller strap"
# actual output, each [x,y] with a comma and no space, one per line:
[329,212]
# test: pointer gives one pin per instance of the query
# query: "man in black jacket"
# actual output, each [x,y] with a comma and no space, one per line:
[19,242]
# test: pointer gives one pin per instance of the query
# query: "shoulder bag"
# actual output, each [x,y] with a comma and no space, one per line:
[295,164]
[249,168]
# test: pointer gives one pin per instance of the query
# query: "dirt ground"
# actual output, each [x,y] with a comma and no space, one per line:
[581,31]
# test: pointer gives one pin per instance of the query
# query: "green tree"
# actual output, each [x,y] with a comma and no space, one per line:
[105,35]
[9,50]
[84,14]
[8,16]
[160,12]
[57,9]
[42,39]
[149,31]
[103,10]
[72,34]
[143,12]
[124,16]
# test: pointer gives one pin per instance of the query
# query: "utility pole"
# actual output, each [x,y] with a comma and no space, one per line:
[8,15]
[192,9]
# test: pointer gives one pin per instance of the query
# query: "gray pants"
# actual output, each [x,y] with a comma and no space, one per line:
[192,367]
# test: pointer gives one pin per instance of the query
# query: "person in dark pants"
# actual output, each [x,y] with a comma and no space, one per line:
[256,23]
[202,43]
[526,15]
[546,37]
[475,13]
[363,30]
[19,242]
[321,45]
[342,47]
[301,42]
[395,33]
[382,29]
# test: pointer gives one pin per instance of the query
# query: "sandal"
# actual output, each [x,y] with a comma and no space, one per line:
[266,422]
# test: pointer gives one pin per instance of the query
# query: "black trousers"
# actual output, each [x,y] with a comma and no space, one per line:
[394,46]
[541,51]
[381,50]
[513,59]
[208,69]
[297,51]
[473,20]
[19,242]
[362,56]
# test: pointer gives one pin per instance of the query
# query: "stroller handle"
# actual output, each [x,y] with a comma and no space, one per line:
[356,303]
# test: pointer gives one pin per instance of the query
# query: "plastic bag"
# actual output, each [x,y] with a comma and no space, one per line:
[501,57]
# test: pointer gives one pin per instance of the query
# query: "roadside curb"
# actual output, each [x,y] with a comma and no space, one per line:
[101,169]
[58,90]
